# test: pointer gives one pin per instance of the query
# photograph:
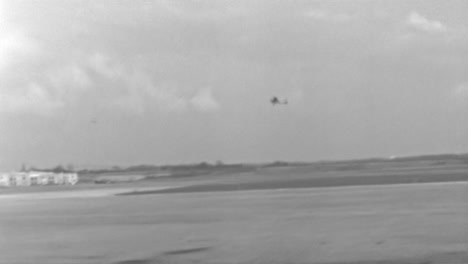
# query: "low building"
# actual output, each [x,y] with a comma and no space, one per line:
[20,179]
[71,178]
[37,178]
[40,178]
[4,179]
[59,179]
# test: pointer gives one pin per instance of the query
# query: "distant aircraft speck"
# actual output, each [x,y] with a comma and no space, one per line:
[274,101]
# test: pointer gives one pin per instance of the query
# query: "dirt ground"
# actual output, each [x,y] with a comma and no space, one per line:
[413,223]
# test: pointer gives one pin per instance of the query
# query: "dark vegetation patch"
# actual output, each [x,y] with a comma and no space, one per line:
[435,258]
[181,171]
[151,172]
[186,251]
[162,259]
[313,182]
[137,261]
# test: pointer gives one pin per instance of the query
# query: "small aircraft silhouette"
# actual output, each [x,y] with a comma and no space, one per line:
[274,101]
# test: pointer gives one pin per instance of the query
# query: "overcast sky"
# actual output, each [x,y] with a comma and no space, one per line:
[132,82]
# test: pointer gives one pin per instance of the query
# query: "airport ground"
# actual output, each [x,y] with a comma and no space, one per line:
[243,219]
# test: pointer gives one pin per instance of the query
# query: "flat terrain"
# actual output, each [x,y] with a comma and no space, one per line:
[412,223]
[261,182]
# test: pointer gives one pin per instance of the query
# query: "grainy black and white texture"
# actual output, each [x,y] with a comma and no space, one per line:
[104,83]
[250,131]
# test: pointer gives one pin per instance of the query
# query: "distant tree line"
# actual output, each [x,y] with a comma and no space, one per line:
[179,167]
[57,169]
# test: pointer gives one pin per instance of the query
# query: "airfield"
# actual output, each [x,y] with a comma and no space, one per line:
[410,213]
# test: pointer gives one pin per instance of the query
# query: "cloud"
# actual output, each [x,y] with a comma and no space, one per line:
[419,22]
[144,94]
[70,76]
[320,14]
[137,92]
[33,98]
[41,89]
[166,97]
[204,101]
[14,46]
[52,90]
[114,83]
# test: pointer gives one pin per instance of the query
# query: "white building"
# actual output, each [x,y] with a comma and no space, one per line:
[4,179]
[20,179]
[71,178]
[37,178]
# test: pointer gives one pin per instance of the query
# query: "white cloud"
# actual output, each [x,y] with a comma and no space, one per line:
[127,87]
[204,101]
[419,22]
[139,93]
[167,99]
[13,46]
[45,91]
[70,76]
[321,14]
[33,98]
[142,95]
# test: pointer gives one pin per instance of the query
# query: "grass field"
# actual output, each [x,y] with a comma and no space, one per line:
[396,224]
[273,215]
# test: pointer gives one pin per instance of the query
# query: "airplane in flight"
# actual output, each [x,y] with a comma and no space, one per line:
[274,101]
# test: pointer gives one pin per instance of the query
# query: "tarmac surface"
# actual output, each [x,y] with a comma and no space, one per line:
[404,223]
